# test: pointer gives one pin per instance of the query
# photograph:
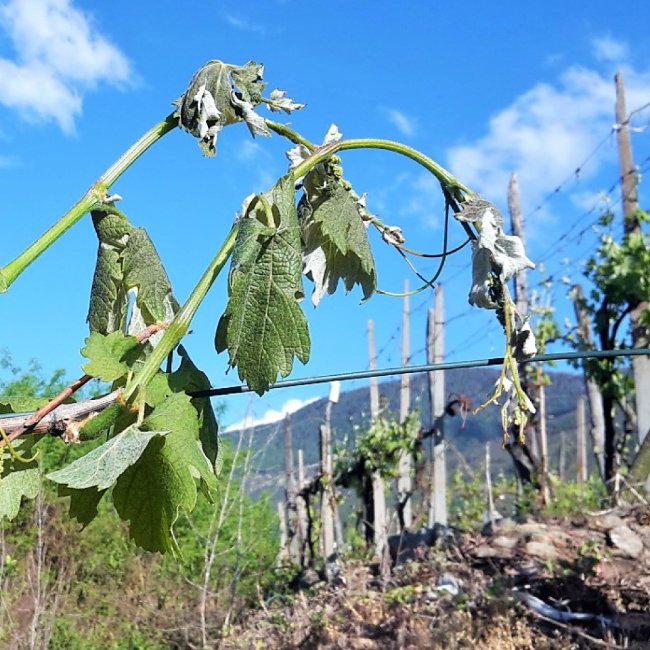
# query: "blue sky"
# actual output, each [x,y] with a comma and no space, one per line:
[484,92]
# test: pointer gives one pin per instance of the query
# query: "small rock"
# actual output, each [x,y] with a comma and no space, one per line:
[502,541]
[626,541]
[449,584]
[607,522]
[542,550]
[487,551]
[308,578]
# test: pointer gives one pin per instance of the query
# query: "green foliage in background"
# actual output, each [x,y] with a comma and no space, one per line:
[379,447]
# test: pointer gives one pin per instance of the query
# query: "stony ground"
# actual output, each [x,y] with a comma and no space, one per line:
[571,584]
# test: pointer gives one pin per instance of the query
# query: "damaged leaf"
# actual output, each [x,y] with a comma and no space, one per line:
[263,327]
[127,262]
[333,227]
[220,94]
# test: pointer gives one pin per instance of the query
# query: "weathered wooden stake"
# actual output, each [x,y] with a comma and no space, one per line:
[561,457]
[405,463]
[436,384]
[380,528]
[303,518]
[328,503]
[283,555]
[581,442]
[594,397]
[291,493]
[542,439]
[640,334]
[521,302]
[488,486]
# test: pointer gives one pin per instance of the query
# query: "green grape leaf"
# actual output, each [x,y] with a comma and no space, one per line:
[108,296]
[102,466]
[220,94]
[144,272]
[106,355]
[185,379]
[263,327]
[21,403]
[335,243]
[189,378]
[18,479]
[83,503]
[127,262]
[163,482]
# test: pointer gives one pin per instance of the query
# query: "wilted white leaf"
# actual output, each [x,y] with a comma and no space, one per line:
[279,102]
[333,134]
[524,342]
[480,294]
[493,252]
[255,123]
[297,154]
[392,235]
[218,95]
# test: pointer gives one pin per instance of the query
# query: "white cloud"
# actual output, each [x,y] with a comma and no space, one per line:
[272,415]
[403,123]
[546,133]
[250,151]
[59,54]
[609,49]
[244,25]
[7,161]
[422,198]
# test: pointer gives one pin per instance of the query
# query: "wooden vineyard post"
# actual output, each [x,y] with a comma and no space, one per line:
[328,503]
[283,555]
[379,523]
[631,225]
[303,515]
[436,385]
[405,462]
[291,494]
[542,438]
[521,302]
[491,511]
[581,442]
[594,397]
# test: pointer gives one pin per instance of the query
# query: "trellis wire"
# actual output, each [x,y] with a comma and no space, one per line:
[452,365]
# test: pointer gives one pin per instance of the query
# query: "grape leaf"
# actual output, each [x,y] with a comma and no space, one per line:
[144,271]
[335,243]
[127,261]
[83,503]
[152,492]
[220,94]
[263,327]
[17,479]
[106,354]
[102,466]
[189,378]
[108,296]
[21,403]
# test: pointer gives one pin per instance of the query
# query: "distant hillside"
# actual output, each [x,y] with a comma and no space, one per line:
[350,414]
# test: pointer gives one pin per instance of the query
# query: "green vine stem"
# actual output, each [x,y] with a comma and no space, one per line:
[93,197]
[446,179]
[179,325]
[290,134]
